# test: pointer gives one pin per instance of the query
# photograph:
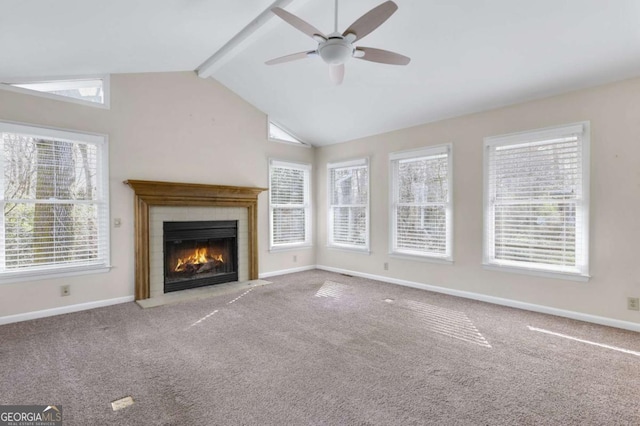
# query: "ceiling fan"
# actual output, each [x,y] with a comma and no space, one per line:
[335,49]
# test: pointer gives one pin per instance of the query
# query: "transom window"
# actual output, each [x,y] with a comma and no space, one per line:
[536,200]
[278,134]
[349,204]
[93,91]
[55,202]
[289,204]
[421,208]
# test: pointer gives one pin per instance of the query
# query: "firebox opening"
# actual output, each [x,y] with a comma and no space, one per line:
[199,253]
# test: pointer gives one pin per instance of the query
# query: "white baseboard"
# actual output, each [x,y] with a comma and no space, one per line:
[286,271]
[626,325]
[64,310]
[610,322]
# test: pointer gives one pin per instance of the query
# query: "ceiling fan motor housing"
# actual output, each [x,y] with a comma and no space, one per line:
[336,50]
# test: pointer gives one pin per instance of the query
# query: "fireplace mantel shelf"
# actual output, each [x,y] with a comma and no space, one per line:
[155,193]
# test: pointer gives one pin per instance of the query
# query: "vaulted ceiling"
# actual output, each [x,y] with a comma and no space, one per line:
[467,55]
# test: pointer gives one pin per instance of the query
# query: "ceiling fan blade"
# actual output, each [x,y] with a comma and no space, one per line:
[292,57]
[371,20]
[381,56]
[298,23]
[336,72]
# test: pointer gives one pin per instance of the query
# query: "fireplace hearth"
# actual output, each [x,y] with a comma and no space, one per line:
[199,253]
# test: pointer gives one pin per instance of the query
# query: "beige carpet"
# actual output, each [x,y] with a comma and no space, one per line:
[322,348]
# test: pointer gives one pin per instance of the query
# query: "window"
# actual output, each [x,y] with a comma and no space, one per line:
[55,202]
[279,134]
[289,204]
[349,204]
[421,208]
[536,201]
[88,91]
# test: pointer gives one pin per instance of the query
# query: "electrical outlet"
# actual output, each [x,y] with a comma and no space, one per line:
[65,290]
[386,266]
[633,304]
[295,257]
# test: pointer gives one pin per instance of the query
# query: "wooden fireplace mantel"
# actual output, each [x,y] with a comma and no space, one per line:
[153,193]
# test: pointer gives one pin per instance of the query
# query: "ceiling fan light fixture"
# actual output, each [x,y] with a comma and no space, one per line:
[335,51]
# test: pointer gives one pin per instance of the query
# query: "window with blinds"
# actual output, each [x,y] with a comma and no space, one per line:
[421,207]
[349,204]
[289,204]
[55,201]
[536,199]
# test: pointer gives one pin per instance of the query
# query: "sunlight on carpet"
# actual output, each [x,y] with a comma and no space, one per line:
[449,323]
[588,342]
[204,318]
[228,303]
[332,289]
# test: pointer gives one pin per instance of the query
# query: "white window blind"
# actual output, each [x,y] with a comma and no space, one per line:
[289,204]
[421,210]
[536,199]
[349,204]
[55,201]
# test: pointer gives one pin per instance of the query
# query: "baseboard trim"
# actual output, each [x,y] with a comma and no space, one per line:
[610,322]
[286,271]
[64,310]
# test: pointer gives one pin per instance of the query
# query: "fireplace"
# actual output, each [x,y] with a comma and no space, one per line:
[199,253]
[151,197]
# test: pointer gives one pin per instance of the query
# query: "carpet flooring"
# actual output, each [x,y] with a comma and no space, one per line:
[318,348]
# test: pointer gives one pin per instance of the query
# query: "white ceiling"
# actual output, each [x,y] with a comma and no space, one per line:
[73,37]
[467,55]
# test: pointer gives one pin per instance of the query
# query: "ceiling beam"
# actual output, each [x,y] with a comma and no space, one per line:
[238,42]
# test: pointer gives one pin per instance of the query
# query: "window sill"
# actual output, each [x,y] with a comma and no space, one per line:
[420,258]
[292,247]
[15,277]
[361,250]
[538,273]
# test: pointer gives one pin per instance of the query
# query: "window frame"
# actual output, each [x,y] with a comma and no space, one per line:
[307,205]
[6,84]
[394,160]
[102,169]
[359,162]
[581,271]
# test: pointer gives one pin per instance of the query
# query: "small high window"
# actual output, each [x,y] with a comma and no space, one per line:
[90,91]
[277,133]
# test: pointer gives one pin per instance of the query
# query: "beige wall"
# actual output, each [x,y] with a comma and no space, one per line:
[614,112]
[177,127]
[166,126]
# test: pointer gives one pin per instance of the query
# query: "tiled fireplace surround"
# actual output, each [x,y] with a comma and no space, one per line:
[157,202]
[160,214]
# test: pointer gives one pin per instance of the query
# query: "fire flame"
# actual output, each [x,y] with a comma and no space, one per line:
[199,256]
